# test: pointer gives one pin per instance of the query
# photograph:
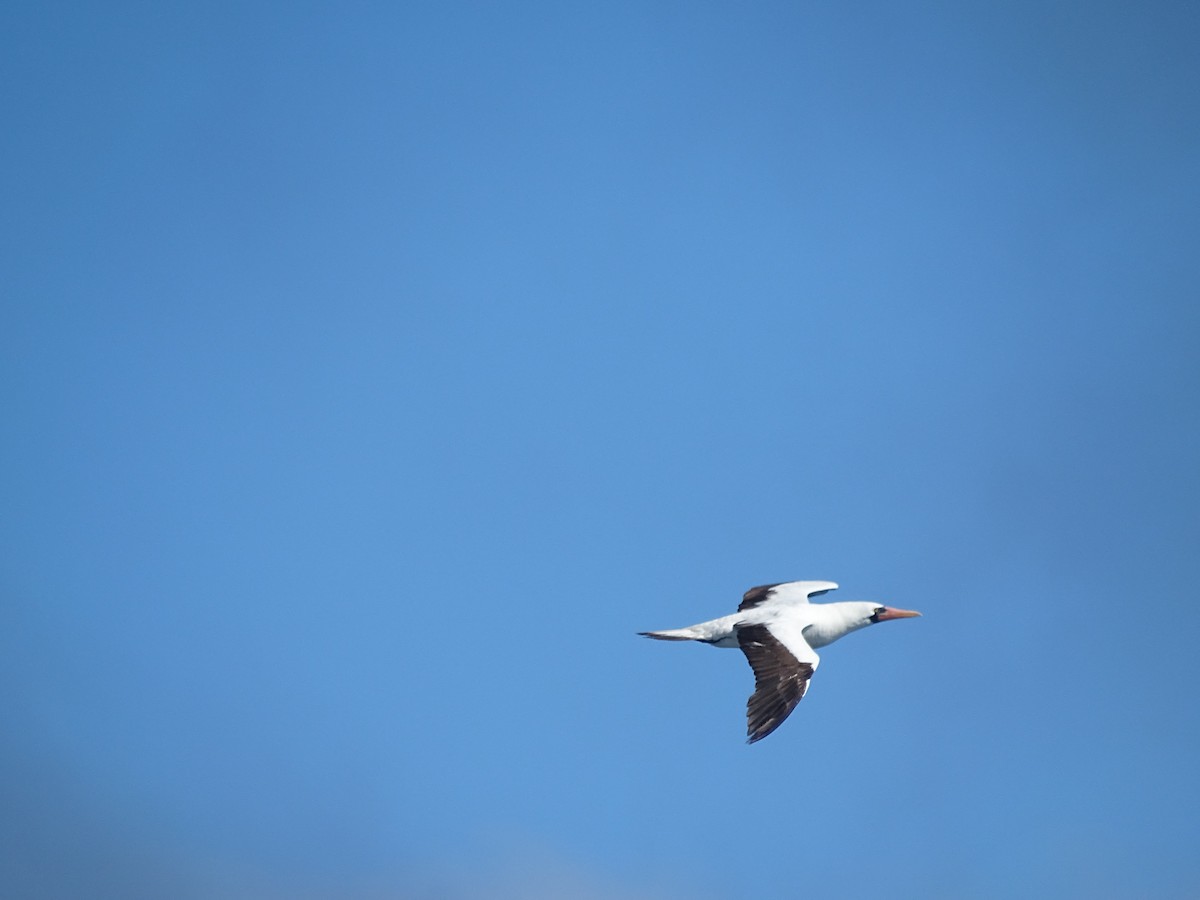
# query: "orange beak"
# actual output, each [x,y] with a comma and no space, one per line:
[889,613]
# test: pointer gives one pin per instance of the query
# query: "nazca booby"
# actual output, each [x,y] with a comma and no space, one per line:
[779,631]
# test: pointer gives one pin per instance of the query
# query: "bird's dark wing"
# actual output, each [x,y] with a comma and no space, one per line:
[755,596]
[785,592]
[781,675]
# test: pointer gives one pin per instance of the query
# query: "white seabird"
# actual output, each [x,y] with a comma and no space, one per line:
[779,631]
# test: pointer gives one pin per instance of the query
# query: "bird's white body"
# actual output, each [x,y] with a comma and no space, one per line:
[820,623]
[779,630]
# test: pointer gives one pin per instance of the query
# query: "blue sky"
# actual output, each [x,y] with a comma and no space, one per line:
[371,373]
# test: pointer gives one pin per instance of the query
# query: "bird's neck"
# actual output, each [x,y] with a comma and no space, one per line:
[831,621]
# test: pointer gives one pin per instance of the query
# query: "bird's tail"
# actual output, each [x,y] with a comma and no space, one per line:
[675,634]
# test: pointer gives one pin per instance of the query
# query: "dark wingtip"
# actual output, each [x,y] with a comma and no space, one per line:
[764,731]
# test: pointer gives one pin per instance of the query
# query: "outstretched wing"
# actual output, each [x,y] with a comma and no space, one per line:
[785,592]
[783,663]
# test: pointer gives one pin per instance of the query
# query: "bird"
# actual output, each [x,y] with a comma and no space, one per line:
[779,630]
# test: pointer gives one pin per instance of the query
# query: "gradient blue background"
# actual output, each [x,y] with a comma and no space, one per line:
[371,373]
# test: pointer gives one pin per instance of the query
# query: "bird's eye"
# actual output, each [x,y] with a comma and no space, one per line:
[879,610]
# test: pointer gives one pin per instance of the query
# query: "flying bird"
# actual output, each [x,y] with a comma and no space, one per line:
[779,631]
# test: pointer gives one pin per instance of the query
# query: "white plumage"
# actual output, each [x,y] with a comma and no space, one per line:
[779,630]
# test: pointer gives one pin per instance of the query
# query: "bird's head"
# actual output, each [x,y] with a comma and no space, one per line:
[880,613]
[843,618]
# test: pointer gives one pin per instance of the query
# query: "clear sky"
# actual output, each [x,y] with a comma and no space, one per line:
[372,372]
